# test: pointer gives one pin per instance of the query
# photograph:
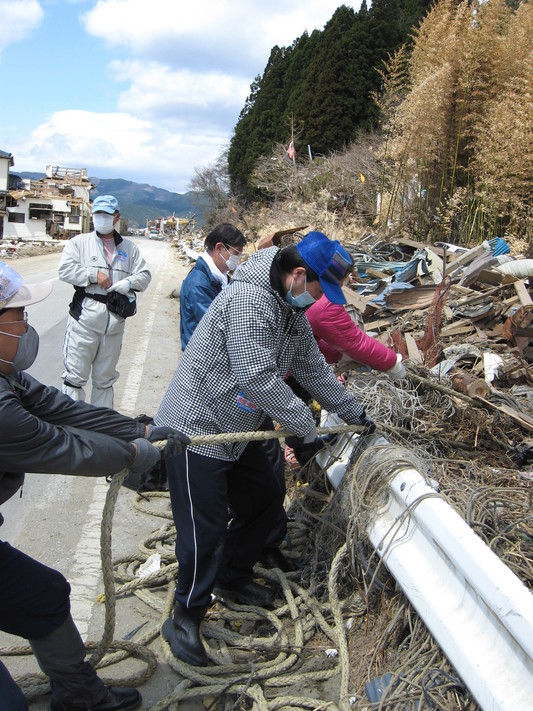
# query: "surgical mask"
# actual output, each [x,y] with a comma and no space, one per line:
[234,260]
[301,301]
[27,349]
[103,223]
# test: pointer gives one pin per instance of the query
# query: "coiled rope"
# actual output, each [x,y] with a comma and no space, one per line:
[306,613]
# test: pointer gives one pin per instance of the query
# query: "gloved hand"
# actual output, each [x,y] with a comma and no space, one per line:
[304,450]
[176,441]
[397,372]
[368,424]
[147,456]
[123,286]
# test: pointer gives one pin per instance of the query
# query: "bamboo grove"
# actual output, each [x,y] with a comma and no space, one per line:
[458,124]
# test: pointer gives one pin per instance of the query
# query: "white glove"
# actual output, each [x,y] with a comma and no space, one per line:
[397,372]
[123,286]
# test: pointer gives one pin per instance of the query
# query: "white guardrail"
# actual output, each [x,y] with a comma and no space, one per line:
[478,611]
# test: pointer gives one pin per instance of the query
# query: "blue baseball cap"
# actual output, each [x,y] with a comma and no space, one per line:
[14,293]
[329,260]
[105,203]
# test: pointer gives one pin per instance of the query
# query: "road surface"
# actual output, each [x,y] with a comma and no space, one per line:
[58,518]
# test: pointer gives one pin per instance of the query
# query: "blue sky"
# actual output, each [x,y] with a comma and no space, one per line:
[142,90]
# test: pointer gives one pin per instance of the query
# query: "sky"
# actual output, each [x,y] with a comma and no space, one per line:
[145,90]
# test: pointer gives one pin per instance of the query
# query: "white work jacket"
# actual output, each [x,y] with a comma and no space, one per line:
[83,257]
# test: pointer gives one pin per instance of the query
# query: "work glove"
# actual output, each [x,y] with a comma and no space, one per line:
[176,441]
[147,456]
[368,424]
[397,372]
[123,286]
[305,448]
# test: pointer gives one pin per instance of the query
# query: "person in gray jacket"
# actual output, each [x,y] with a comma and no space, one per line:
[106,271]
[231,378]
[43,430]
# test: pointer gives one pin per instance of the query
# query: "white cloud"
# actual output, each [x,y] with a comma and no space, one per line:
[19,18]
[233,33]
[119,145]
[182,72]
[162,93]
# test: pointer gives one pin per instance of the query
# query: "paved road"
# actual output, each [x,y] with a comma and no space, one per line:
[57,520]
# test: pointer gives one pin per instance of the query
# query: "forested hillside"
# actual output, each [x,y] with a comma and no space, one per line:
[323,83]
[435,141]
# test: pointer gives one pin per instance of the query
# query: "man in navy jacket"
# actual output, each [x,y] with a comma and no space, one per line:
[223,251]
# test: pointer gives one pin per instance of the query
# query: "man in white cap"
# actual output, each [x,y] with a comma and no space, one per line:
[43,430]
[106,271]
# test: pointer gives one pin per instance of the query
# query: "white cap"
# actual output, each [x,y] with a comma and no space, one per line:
[14,293]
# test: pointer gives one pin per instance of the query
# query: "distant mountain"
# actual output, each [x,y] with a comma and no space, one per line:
[140,202]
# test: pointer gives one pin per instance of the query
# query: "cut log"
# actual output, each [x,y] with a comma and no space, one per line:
[465,382]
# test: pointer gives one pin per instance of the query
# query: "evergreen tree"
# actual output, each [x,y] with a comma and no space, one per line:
[325,81]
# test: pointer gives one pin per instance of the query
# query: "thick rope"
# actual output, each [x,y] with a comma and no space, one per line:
[34,685]
[258,435]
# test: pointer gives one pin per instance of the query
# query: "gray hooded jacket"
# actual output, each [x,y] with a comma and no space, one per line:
[232,372]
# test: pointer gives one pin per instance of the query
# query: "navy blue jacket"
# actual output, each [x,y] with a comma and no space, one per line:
[197,292]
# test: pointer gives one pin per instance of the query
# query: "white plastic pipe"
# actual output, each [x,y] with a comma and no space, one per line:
[478,611]
[476,608]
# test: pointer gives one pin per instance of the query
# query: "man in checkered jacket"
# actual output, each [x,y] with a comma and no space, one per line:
[230,378]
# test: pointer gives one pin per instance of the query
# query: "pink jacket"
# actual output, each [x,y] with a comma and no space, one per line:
[336,334]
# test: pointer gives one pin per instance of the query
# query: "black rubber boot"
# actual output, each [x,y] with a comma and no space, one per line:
[115,700]
[274,558]
[246,592]
[182,631]
[75,684]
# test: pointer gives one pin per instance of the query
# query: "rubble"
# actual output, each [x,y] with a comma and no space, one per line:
[14,249]
[469,297]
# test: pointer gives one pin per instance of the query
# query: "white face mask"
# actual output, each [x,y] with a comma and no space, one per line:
[103,223]
[234,260]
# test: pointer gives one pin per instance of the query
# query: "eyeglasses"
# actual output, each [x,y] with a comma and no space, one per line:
[24,319]
[236,252]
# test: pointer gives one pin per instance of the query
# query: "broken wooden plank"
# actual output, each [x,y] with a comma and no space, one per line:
[523,293]
[355,299]
[419,297]
[520,418]
[414,354]
[376,274]
[379,324]
[463,259]
[457,330]
[451,329]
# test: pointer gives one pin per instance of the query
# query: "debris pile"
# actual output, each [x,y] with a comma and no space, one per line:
[464,315]
[463,417]
[343,635]
[14,249]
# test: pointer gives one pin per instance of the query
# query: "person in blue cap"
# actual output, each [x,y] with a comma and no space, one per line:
[231,378]
[107,271]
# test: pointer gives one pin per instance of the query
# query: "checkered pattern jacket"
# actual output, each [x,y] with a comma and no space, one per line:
[232,372]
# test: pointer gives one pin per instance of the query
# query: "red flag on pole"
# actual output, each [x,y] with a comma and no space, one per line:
[290,150]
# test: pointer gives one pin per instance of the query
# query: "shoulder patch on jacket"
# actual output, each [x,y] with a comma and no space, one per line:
[244,404]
